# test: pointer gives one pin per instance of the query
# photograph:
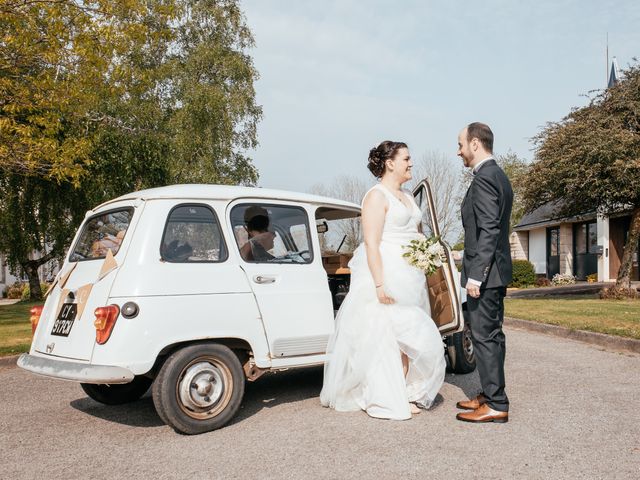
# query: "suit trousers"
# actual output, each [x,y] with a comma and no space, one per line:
[486,315]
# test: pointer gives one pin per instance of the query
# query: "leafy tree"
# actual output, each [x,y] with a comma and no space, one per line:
[213,112]
[102,97]
[59,63]
[516,169]
[590,160]
[34,219]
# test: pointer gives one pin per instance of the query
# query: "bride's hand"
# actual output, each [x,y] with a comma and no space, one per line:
[383,297]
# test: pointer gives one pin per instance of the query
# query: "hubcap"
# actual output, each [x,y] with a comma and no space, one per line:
[201,388]
[467,345]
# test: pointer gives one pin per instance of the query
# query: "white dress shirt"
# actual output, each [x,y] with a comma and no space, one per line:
[477,167]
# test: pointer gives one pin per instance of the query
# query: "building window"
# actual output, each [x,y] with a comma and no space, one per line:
[586,235]
[554,242]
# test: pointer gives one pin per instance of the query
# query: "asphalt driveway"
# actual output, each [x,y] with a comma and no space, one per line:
[574,415]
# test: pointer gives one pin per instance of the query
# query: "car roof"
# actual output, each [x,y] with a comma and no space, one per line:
[227,192]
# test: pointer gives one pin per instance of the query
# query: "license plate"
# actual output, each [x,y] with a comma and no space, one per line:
[64,322]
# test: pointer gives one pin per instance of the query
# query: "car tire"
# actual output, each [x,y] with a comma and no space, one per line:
[460,351]
[199,388]
[118,394]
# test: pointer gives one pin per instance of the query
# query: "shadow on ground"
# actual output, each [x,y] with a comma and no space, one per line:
[140,413]
[469,383]
[271,390]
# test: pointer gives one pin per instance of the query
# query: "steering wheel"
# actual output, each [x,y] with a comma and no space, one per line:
[303,252]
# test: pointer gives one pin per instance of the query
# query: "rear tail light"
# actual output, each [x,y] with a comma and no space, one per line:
[105,320]
[35,317]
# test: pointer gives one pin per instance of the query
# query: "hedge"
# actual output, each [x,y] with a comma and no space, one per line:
[524,274]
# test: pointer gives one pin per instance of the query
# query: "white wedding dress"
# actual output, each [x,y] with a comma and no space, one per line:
[364,368]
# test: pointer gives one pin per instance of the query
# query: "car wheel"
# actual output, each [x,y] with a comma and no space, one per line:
[118,394]
[199,388]
[460,351]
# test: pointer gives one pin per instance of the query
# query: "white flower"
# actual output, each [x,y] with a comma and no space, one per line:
[426,254]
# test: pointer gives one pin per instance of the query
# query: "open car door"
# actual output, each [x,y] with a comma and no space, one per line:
[444,284]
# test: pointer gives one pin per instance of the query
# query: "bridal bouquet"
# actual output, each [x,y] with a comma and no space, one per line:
[426,254]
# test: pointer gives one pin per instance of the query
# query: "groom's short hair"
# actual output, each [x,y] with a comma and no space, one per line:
[483,133]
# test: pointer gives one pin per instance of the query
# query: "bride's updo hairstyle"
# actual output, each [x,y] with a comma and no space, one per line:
[380,154]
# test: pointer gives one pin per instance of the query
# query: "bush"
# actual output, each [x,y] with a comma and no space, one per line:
[614,293]
[524,274]
[543,282]
[26,291]
[563,279]
[15,291]
[592,278]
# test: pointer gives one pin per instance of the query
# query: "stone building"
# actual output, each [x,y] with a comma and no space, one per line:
[582,245]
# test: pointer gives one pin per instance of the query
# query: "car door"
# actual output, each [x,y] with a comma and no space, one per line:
[66,328]
[283,264]
[444,285]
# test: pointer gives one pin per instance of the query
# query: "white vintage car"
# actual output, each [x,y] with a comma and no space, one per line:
[194,289]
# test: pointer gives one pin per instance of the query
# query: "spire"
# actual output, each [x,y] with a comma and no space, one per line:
[614,74]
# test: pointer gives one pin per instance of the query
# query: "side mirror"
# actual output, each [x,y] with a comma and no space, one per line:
[322,227]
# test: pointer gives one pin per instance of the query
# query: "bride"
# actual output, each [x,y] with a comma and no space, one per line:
[386,356]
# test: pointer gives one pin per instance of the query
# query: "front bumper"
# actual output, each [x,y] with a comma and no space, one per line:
[74,371]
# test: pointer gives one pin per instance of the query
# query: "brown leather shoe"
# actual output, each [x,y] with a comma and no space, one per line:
[472,404]
[484,414]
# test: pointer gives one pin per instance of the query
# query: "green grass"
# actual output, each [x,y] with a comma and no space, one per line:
[614,317]
[15,328]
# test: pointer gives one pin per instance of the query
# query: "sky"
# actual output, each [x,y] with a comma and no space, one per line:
[339,76]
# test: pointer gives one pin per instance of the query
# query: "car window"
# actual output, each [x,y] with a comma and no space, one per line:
[272,233]
[423,204]
[192,234]
[102,233]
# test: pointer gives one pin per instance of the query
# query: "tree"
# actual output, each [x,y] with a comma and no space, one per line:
[59,62]
[351,189]
[590,160]
[443,176]
[516,169]
[107,96]
[214,116]
[33,219]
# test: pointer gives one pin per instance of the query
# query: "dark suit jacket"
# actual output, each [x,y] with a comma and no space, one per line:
[486,211]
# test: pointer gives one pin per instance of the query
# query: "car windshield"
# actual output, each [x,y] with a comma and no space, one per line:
[102,233]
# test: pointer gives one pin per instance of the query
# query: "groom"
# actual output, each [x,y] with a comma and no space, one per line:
[486,270]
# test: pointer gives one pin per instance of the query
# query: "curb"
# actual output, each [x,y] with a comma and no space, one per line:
[9,361]
[601,339]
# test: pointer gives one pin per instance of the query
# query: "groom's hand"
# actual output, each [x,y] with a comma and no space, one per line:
[473,290]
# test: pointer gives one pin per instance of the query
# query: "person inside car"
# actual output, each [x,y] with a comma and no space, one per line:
[108,242]
[261,239]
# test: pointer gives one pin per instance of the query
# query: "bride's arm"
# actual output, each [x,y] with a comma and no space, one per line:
[373,213]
